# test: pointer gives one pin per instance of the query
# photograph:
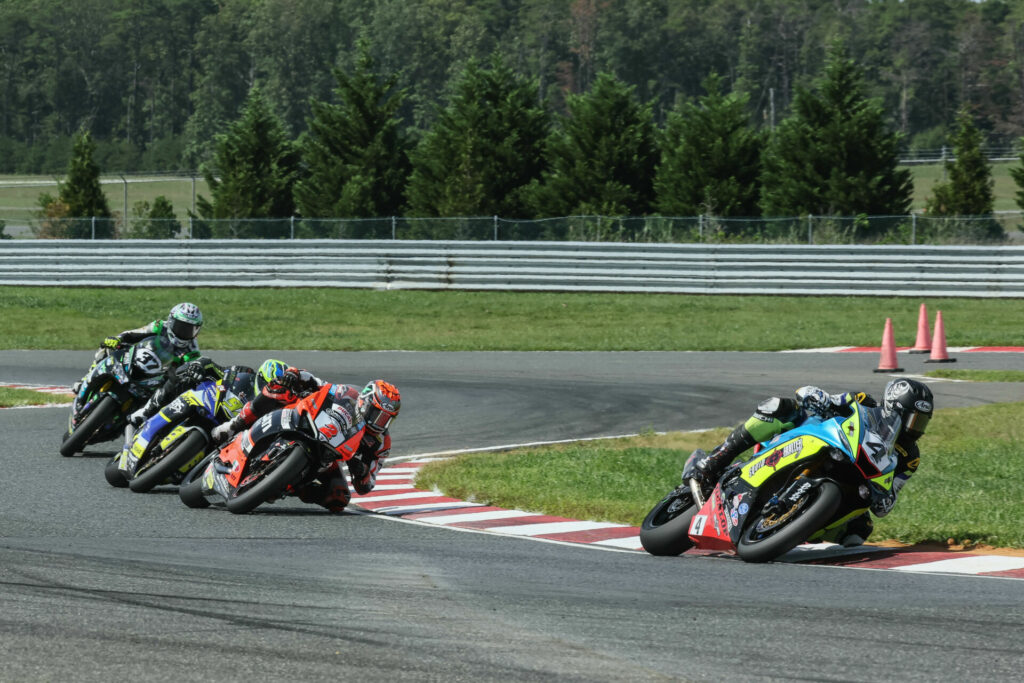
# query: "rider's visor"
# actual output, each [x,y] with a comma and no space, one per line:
[378,420]
[917,422]
[184,330]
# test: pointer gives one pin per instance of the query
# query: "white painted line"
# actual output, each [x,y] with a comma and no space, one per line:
[479,516]
[425,507]
[973,564]
[551,528]
[412,493]
[394,487]
[630,542]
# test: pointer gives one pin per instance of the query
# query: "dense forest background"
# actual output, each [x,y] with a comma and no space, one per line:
[154,81]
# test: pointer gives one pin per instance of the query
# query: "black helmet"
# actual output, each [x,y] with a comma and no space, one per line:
[912,401]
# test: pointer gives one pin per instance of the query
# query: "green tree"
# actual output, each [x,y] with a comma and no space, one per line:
[80,196]
[254,170]
[355,151]
[1017,173]
[970,188]
[710,157]
[835,155]
[483,149]
[602,158]
[156,222]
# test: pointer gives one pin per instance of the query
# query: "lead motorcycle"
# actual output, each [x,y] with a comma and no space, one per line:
[115,386]
[169,444]
[283,451]
[798,487]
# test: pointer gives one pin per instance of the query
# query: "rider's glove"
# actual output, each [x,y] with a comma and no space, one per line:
[291,380]
[192,373]
[110,343]
[814,400]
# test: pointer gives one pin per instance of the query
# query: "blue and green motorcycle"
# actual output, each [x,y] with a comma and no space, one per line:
[168,445]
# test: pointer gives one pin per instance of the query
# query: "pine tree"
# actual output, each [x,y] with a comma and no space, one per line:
[355,152]
[835,154]
[253,174]
[602,160]
[970,190]
[158,221]
[483,149]
[710,157]
[81,196]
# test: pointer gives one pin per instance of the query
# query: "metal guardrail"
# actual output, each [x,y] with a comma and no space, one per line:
[882,270]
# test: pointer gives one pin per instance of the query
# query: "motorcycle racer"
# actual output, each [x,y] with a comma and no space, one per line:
[377,404]
[908,399]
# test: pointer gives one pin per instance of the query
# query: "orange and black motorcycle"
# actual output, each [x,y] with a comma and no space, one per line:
[282,452]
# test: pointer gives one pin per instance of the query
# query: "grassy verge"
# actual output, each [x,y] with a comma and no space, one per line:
[329,319]
[979,375]
[26,397]
[966,489]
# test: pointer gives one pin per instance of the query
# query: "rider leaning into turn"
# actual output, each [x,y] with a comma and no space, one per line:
[908,398]
[278,385]
[176,337]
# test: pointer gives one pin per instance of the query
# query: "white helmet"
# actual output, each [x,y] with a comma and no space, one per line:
[183,324]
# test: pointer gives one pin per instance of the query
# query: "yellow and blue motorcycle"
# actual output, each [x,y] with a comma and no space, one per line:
[169,444]
[803,485]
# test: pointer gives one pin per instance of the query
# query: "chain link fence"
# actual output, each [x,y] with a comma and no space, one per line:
[910,229]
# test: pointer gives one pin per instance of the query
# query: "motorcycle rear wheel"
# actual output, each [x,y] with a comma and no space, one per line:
[174,458]
[99,416]
[665,530]
[753,547]
[285,471]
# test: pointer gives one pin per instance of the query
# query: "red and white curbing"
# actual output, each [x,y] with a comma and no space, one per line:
[397,496]
[41,388]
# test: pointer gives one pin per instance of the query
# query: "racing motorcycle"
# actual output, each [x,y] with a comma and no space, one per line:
[123,380]
[173,441]
[283,451]
[803,485]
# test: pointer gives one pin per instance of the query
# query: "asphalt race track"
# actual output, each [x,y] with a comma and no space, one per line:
[101,584]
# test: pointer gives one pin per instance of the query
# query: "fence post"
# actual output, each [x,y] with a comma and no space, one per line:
[913,228]
[700,228]
[190,226]
[810,230]
[94,227]
[393,227]
[495,228]
[291,220]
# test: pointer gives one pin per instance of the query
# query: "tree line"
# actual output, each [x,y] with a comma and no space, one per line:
[493,149]
[154,81]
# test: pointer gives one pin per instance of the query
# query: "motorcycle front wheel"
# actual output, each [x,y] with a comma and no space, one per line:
[175,457]
[665,530]
[100,415]
[115,477]
[765,538]
[276,475]
[191,489]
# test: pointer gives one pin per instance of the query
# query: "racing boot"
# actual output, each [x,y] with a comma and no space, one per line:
[708,467]
[857,531]
[331,492]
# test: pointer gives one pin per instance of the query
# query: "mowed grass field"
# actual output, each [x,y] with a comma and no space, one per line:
[19,202]
[361,320]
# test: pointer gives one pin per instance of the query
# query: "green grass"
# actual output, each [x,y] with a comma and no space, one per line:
[927,175]
[334,319]
[967,487]
[979,375]
[28,397]
[20,202]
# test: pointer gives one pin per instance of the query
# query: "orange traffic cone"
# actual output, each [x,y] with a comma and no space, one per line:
[887,363]
[939,354]
[923,344]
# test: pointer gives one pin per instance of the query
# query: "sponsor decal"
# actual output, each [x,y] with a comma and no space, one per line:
[743,508]
[794,447]
[773,459]
[734,517]
[924,406]
[697,525]
[801,490]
